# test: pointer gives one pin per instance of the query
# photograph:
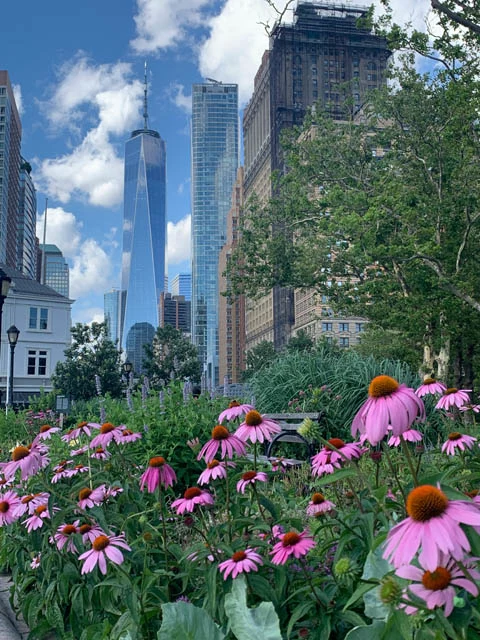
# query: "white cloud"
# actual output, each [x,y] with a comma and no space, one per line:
[163,23]
[107,96]
[63,229]
[233,51]
[17,94]
[90,271]
[176,93]
[87,315]
[178,246]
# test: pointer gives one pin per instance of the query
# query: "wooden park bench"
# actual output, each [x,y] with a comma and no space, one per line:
[289,423]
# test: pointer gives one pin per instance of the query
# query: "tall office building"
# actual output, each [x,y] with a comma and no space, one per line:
[176,311]
[214,168]
[144,236]
[55,272]
[323,57]
[10,138]
[182,285]
[26,223]
[112,310]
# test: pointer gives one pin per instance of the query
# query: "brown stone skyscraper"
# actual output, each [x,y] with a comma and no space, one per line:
[323,57]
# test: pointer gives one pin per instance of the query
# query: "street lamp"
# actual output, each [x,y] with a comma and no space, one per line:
[127,367]
[12,334]
[5,283]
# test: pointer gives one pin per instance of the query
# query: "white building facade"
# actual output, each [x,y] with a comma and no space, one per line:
[43,318]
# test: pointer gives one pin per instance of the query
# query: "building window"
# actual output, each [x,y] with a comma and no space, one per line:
[38,318]
[37,362]
[327,326]
[358,327]
[343,326]
[344,342]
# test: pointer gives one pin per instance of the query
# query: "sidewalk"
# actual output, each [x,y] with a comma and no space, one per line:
[10,627]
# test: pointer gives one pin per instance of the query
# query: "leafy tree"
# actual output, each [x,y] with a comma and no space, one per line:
[91,353]
[301,343]
[171,356]
[258,357]
[387,207]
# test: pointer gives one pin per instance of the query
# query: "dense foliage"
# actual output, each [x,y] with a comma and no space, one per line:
[171,356]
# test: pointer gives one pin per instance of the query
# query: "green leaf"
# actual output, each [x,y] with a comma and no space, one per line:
[184,621]
[261,622]
[358,593]
[297,614]
[374,607]
[372,632]
[343,474]
[375,566]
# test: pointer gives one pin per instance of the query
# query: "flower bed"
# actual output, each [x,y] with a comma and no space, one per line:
[111,532]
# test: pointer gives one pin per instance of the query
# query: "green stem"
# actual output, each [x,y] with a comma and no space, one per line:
[392,469]
[227,501]
[262,512]
[357,499]
[312,587]
[164,531]
[408,456]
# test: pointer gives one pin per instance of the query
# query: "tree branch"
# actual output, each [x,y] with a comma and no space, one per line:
[455,17]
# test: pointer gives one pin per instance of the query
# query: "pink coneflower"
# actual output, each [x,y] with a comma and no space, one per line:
[240,562]
[280,464]
[390,404]
[113,492]
[471,407]
[324,466]
[292,544]
[35,563]
[215,470]
[60,471]
[79,452]
[104,547]
[319,504]
[453,397]
[9,503]
[234,410]
[436,587]
[90,532]
[82,427]
[250,477]
[28,460]
[434,526]
[158,473]
[191,498]
[456,441]
[329,455]
[101,454]
[78,468]
[108,432]
[36,520]
[88,498]
[411,435]
[128,436]
[229,443]
[430,386]
[64,536]
[45,432]
[30,502]
[257,428]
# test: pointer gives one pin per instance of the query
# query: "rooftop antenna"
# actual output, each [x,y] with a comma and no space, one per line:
[145,105]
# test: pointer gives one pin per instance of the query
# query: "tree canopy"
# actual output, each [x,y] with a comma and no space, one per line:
[91,354]
[381,213]
[171,356]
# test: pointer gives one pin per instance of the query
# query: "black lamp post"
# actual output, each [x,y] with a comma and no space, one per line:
[12,334]
[5,283]
[127,367]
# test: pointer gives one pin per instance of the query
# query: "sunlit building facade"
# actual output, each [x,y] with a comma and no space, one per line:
[214,169]
[144,235]
[55,269]
[26,223]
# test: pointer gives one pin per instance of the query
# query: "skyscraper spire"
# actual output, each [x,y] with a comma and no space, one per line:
[145,104]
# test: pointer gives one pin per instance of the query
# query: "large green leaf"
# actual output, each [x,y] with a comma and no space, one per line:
[261,622]
[184,621]
[375,566]
[372,632]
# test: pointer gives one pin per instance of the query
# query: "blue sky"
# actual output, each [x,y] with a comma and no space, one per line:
[78,72]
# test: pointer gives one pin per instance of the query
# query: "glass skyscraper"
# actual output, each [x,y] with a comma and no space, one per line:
[182,285]
[144,235]
[214,169]
[112,304]
[55,269]
[26,223]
